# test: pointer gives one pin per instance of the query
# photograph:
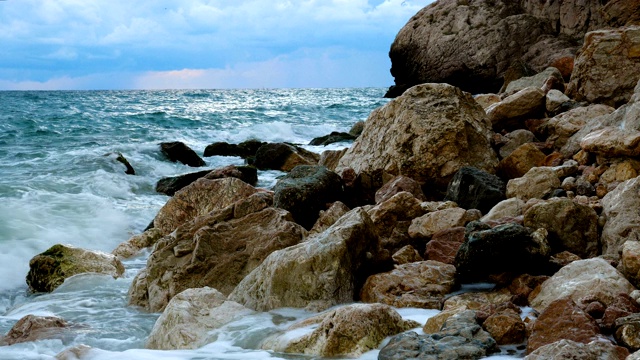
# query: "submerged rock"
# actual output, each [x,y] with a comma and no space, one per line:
[178,151]
[51,268]
[32,328]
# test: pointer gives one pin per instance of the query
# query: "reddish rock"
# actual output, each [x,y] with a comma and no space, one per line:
[444,245]
[522,286]
[622,306]
[32,328]
[520,161]
[398,184]
[506,328]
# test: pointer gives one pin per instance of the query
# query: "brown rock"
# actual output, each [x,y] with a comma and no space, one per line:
[520,161]
[477,300]
[444,245]
[506,328]
[329,217]
[330,158]
[627,332]
[569,349]
[623,221]
[524,104]
[563,258]
[612,142]
[431,223]
[630,262]
[535,184]
[405,255]
[522,286]
[509,208]
[398,184]
[561,127]
[32,328]
[623,305]
[283,157]
[136,243]
[420,284]
[486,100]
[514,140]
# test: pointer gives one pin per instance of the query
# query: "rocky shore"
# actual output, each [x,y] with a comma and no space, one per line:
[533,188]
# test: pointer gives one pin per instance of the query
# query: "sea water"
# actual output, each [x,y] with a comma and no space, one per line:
[60,183]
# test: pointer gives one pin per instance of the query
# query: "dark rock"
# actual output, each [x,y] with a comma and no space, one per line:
[623,305]
[283,157]
[305,191]
[121,159]
[357,128]
[460,338]
[178,151]
[170,185]
[32,328]
[505,248]
[472,188]
[334,137]
[244,150]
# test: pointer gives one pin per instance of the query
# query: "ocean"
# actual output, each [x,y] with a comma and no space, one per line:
[60,183]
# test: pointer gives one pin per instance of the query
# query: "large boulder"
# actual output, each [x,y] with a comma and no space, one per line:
[348,331]
[324,270]
[420,284]
[428,134]
[216,250]
[189,318]
[305,191]
[569,349]
[607,67]
[619,208]
[283,157]
[51,268]
[472,188]
[595,278]
[32,328]
[179,151]
[200,198]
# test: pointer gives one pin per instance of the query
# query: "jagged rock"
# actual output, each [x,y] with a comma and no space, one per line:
[505,248]
[330,158]
[428,134]
[622,220]
[427,225]
[505,328]
[472,188]
[320,272]
[510,112]
[627,331]
[199,198]
[129,170]
[571,226]
[554,101]
[136,243]
[444,245]
[535,184]
[349,331]
[334,137]
[520,161]
[329,217]
[216,250]
[537,81]
[407,254]
[623,305]
[420,284]
[189,318]
[398,184]
[244,150]
[178,151]
[283,157]
[562,127]
[569,349]
[514,140]
[305,191]
[460,338]
[607,54]
[595,278]
[32,328]
[51,268]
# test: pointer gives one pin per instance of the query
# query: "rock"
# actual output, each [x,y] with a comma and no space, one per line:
[428,134]
[357,128]
[623,305]
[554,100]
[129,170]
[420,284]
[509,208]
[562,127]
[330,158]
[200,198]
[505,328]
[607,55]
[398,184]
[627,332]
[524,104]
[562,319]
[407,254]
[595,278]
[537,81]
[620,171]
[189,318]
[505,248]
[322,271]
[523,286]
[348,331]
[571,226]
[136,243]
[429,224]
[486,100]
[170,185]
[329,217]
[283,157]
[535,184]
[630,262]
[244,150]
[51,268]
[520,161]
[178,151]
[569,349]
[460,338]
[612,142]
[472,188]
[334,137]
[444,245]
[515,139]
[31,328]
[216,250]
[305,191]
[477,300]
[622,220]
[74,353]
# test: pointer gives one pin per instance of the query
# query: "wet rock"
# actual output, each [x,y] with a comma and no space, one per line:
[595,278]
[505,248]
[244,149]
[510,112]
[460,338]
[623,221]
[334,137]
[398,184]
[348,331]
[189,318]
[520,161]
[571,226]
[420,284]
[32,328]
[129,170]
[535,184]
[607,54]
[51,268]
[136,243]
[428,134]
[200,198]
[283,157]
[216,250]
[305,191]
[178,151]
[444,245]
[569,349]
[472,188]
[318,273]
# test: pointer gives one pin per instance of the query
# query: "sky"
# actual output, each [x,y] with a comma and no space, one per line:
[198,44]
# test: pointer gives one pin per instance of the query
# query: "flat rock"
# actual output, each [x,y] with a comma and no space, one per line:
[31,328]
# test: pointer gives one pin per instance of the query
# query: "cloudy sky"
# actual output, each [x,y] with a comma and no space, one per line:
[160,44]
